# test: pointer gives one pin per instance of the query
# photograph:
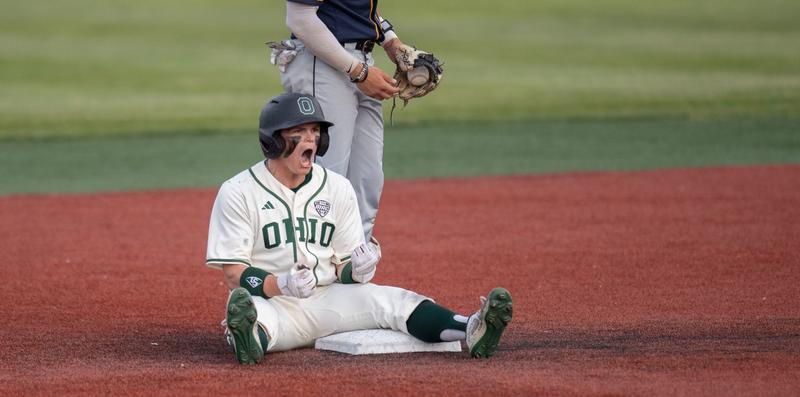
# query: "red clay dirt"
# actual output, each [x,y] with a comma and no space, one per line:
[677,282]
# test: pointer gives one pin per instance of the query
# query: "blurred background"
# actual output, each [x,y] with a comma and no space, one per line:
[118,95]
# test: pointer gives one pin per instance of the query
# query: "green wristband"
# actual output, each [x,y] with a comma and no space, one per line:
[347,274]
[253,281]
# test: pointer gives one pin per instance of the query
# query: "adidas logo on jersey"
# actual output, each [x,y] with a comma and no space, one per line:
[254,281]
[268,206]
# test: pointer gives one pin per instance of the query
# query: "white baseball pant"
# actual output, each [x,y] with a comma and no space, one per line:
[294,323]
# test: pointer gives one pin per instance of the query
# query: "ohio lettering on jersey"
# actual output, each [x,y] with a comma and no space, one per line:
[280,228]
[296,232]
[259,222]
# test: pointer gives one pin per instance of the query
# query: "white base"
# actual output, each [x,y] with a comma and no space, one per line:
[379,341]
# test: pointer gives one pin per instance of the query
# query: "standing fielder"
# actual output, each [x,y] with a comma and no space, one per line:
[330,57]
[288,237]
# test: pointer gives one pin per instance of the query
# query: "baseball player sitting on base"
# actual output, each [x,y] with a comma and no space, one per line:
[288,237]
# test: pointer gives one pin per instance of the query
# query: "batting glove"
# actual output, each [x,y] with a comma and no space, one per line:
[364,260]
[281,53]
[297,283]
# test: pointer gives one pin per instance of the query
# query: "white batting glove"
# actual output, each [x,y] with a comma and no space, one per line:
[281,53]
[364,261]
[297,283]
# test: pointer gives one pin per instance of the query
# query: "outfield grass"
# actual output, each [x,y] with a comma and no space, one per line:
[92,67]
[98,95]
[437,150]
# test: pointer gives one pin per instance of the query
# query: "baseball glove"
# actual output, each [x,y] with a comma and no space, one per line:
[417,74]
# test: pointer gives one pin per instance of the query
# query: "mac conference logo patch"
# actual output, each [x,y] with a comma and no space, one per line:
[322,207]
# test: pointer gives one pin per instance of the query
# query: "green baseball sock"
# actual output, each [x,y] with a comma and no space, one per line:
[429,322]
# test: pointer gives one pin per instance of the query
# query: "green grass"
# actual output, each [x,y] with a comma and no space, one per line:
[436,150]
[566,146]
[91,67]
[115,95]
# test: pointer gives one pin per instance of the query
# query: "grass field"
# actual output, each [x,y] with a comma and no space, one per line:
[428,150]
[717,82]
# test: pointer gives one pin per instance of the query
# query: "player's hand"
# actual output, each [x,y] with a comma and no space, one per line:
[391,49]
[364,261]
[378,84]
[297,283]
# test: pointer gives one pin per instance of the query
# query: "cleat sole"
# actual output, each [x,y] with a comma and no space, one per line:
[241,321]
[497,312]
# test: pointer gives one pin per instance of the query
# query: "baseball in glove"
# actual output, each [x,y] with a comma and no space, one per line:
[417,74]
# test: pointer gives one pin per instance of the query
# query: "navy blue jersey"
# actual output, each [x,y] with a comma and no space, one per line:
[349,20]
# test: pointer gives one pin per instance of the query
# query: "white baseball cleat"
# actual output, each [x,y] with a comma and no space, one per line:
[244,335]
[485,327]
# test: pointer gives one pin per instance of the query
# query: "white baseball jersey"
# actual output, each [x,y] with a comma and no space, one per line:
[259,222]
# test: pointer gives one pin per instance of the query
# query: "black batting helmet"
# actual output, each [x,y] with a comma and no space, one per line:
[286,111]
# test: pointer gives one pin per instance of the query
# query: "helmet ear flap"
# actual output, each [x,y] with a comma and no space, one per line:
[323,141]
[272,146]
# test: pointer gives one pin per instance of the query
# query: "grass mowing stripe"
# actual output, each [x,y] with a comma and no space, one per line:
[553,146]
[429,150]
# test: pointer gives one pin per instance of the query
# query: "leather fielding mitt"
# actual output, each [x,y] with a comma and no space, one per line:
[417,74]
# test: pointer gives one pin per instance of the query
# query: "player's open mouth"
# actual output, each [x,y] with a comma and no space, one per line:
[306,158]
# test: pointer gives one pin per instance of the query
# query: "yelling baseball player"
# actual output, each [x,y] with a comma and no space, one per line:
[288,238]
[330,57]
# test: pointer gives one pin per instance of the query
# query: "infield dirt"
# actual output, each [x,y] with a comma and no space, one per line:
[677,282]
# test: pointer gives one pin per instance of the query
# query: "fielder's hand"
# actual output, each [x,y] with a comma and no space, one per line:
[364,260]
[297,283]
[378,84]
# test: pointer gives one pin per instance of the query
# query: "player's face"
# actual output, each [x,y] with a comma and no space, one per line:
[303,138]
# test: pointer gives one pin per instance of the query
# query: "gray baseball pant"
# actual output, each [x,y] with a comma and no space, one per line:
[356,139]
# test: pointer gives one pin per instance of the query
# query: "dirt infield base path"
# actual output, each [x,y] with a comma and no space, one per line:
[679,282]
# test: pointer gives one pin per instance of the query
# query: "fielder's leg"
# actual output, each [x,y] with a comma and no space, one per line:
[366,161]
[339,106]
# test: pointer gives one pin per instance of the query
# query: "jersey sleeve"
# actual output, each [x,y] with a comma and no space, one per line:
[349,230]
[230,232]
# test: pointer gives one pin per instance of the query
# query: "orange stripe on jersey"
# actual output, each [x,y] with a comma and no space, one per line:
[372,18]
